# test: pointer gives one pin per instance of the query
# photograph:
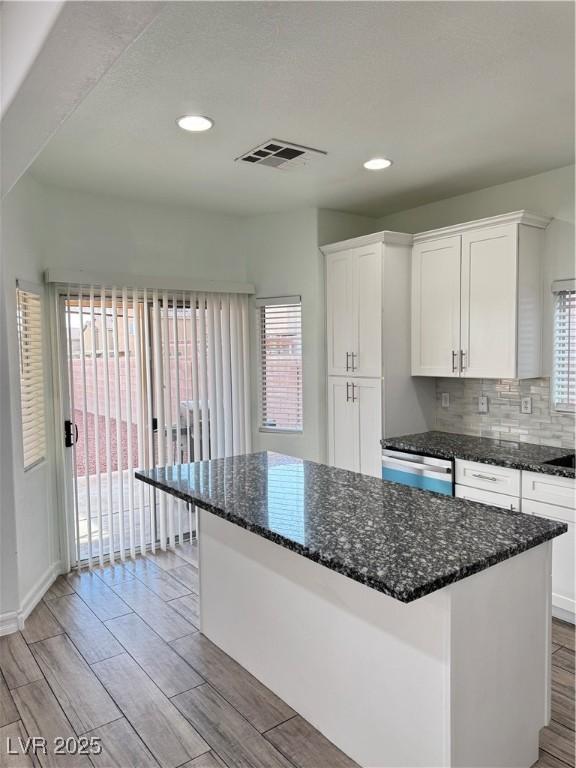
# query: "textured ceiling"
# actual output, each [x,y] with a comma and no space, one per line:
[460,95]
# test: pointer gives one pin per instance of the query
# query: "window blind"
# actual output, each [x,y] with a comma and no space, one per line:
[564,374]
[29,324]
[155,378]
[281,363]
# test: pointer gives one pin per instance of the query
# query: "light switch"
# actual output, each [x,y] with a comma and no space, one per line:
[526,405]
[483,404]
[445,400]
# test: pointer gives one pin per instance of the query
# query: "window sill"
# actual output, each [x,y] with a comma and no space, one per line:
[275,431]
[37,464]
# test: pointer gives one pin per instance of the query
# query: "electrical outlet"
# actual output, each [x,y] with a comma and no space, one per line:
[526,405]
[483,404]
[445,400]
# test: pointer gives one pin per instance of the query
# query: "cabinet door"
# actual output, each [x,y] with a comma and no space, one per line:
[489,275]
[367,310]
[340,312]
[563,548]
[436,307]
[491,498]
[368,404]
[343,445]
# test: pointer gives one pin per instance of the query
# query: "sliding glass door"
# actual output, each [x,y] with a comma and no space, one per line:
[149,378]
[107,367]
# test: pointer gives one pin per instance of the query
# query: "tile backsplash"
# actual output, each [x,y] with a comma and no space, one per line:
[503,420]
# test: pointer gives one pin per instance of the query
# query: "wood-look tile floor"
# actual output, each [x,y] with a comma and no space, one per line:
[116,654]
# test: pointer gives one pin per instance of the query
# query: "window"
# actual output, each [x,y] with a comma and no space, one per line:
[280,363]
[29,321]
[564,374]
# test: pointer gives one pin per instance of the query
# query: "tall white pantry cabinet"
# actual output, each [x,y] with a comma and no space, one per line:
[370,390]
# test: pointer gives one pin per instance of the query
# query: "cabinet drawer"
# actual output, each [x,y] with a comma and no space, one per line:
[549,489]
[487,477]
[548,510]
[488,497]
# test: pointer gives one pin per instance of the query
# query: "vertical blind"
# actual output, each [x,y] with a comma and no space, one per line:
[29,324]
[280,326]
[564,374]
[155,378]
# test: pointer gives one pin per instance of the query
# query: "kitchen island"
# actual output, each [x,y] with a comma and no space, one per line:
[411,629]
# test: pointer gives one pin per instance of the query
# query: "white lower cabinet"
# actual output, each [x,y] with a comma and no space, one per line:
[355,424]
[488,477]
[563,592]
[533,493]
[488,497]
[488,484]
[555,497]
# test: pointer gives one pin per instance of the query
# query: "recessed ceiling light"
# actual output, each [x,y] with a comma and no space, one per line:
[195,123]
[377,164]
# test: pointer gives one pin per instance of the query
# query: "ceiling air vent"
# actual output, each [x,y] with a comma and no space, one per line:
[281,154]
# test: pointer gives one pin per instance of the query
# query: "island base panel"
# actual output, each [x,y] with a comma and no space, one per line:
[456,678]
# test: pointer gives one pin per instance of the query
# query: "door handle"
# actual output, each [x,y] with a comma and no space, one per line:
[454,361]
[69,441]
[347,364]
[463,357]
[347,390]
[354,398]
[353,355]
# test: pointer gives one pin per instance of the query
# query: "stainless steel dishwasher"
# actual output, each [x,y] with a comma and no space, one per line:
[418,471]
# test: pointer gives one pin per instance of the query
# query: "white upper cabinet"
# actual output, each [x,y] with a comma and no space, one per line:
[436,307]
[489,303]
[354,307]
[476,299]
[367,277]
[340,312]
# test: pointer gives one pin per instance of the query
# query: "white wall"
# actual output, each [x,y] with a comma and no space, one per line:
[283,259]
[25,27]
[334,226]
[551,194]
[34,491]
[85,231]
[9,598]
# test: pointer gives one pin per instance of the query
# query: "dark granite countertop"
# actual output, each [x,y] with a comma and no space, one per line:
[503,453]
[398,540]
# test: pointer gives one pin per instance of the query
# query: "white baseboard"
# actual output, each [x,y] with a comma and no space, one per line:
[563,608]
[13,621]
[563,615]
[8,623]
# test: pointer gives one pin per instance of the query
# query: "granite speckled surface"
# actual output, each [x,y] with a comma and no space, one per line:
[503,453]
[400,541]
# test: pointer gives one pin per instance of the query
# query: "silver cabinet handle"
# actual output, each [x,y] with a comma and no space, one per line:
[463,356]
[454,361]
[485,477]
[354,398]
[347,390]
[353,355]
[347,363]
